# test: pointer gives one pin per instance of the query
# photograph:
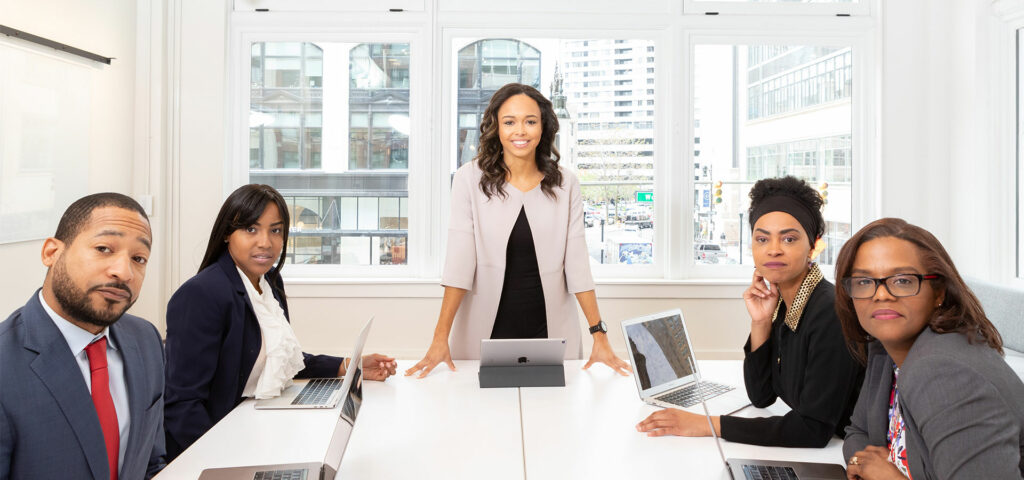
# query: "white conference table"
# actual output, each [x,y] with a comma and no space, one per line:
[588,430]
[445,426]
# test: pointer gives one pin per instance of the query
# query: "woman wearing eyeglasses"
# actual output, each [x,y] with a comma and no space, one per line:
[796,350]
[938,400]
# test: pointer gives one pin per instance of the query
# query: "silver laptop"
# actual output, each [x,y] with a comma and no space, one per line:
[659,350]
[749,469]
[317,392]
[511,352]
[353,387]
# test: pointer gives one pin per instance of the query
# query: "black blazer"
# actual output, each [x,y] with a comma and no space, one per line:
[213,340]
[810,369]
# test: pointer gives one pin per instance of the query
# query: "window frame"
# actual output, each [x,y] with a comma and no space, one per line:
[433,68]
[327,5]
[249,28]
[1007,71]
[866,168]
[717,7]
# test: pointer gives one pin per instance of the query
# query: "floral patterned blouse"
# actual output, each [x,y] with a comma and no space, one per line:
[897,429]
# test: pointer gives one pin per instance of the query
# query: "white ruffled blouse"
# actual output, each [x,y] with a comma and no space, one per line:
[280,356]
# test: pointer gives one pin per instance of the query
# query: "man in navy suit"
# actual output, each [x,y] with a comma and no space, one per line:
[81,382]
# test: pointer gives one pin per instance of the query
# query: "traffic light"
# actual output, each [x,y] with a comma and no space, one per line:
[717,191]
[823,191]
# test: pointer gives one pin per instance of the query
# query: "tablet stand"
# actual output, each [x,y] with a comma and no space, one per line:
[522,376]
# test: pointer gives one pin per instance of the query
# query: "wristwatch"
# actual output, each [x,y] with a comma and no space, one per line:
[600,327]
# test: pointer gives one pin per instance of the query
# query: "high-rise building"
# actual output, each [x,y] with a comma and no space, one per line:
[609,88]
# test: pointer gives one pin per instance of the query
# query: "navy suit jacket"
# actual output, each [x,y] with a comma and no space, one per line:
[48,424]
[213,340]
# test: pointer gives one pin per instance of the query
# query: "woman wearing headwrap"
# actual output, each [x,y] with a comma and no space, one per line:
[796,350]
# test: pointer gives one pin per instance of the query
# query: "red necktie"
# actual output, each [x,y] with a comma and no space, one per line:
[97,352]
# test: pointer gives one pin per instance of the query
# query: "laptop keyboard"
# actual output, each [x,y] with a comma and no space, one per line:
[691,394]
[281,475]
[765,472]
[317,391]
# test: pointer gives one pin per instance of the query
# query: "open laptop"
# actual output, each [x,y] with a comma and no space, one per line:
[512,352]
[317,392]
[353,389]
[663,366]
[749,469]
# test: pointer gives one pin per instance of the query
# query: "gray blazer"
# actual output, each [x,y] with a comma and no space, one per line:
[48,424]
[962,405]
[478,232]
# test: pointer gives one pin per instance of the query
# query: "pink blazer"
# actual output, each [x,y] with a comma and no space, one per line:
[478,234]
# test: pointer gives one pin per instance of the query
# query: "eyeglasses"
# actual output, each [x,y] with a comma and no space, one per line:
[902,285]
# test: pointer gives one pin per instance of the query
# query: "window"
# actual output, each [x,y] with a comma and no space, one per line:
[613,159]
[329,128]
[362,129]
[794,106]
[379,107]
[287,102]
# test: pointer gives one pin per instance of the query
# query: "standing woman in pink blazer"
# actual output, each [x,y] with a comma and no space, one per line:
[516,247]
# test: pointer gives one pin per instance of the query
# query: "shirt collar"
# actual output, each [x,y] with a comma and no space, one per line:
[251,290]
[796,311]
[76,337]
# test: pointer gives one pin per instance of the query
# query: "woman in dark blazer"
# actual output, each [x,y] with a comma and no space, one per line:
[795,351]
[938,399]
[215,337]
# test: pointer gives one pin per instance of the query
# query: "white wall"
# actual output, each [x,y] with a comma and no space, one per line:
[947,132]
[109,29]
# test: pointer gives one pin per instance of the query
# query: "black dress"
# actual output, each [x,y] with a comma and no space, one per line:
[521,311]
[810,369]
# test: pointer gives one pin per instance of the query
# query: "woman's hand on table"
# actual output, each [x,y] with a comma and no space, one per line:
[378,367]
[672,421]
[437,353]
[602,352]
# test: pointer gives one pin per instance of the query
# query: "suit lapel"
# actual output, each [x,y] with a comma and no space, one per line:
[249,321]
[916,449]
[879,429]
[135,380]
[58,370]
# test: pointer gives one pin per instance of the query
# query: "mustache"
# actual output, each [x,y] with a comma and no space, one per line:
[121,286]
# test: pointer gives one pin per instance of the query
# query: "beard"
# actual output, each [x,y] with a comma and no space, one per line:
[76,304]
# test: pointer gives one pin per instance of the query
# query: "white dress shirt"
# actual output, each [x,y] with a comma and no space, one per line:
[77,339]
[280,352]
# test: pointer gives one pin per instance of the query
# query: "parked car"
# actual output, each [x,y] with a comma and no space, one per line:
[640,218]
[709,253]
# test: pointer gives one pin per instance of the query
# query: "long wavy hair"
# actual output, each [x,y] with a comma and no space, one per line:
[241,210]
[960,311]
[490,156]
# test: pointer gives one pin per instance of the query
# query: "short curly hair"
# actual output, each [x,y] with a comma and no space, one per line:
[796,189]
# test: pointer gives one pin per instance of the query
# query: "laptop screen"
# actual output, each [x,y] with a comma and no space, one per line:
[660,351]
[354,397]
